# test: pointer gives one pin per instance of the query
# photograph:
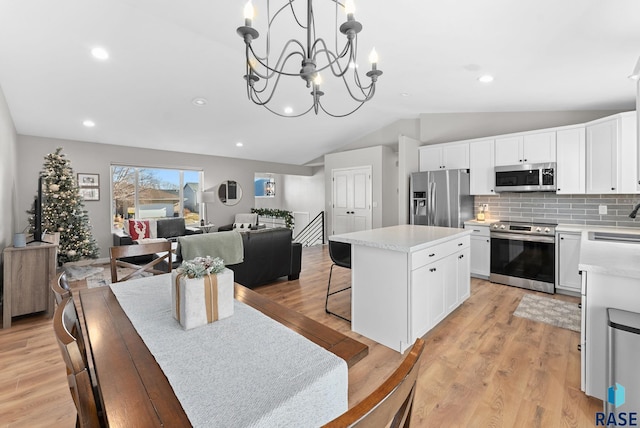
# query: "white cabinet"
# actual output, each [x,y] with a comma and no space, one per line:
[439,286]
[463,282]
[567,257]
[571,161]
[611,150]
[528,148]
[481,165]
[444,156]
[480,254]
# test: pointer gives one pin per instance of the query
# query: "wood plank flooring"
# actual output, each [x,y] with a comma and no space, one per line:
[482,366]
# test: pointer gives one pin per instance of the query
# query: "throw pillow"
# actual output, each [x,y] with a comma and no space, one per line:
[139,229]
[242,226]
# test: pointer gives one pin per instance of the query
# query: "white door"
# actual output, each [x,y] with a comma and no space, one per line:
[351,199]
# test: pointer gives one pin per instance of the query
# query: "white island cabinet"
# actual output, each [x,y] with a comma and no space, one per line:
[610,279]
[406,279]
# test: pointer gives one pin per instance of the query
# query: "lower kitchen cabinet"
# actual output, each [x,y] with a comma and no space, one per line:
[480,254]
[439,287]
[568,254]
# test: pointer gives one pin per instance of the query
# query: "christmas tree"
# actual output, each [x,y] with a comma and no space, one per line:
[63,210]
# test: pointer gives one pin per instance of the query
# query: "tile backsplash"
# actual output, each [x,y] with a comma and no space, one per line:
[563,209]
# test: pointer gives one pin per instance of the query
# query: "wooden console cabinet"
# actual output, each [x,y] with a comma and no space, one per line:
[28,273]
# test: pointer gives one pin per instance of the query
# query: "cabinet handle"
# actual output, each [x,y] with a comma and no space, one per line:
[487,240]
[432,254]
[579,348]
[562,238]
[432,270]
[559,190]
[613,188]
[580,305]
[491,190]
[476,230]
[461,256]
[525,160]
[520,160]
[460,244]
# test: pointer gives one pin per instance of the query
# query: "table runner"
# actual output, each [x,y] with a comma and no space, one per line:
[243,371]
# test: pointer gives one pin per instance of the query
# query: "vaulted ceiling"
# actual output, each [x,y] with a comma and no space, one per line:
[544,54]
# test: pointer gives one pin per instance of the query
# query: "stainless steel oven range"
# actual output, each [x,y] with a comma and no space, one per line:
[523,255]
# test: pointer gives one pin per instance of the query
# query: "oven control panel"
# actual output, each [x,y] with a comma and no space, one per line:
[525,228]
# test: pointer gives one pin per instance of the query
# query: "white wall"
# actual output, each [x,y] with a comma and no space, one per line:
[381,169]
[97,158]
[446,127]
[408,162]
[387,135]
[8,188]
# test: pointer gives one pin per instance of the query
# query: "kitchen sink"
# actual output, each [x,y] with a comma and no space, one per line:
[629,238]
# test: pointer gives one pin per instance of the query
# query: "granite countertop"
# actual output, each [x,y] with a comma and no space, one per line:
[405,238]
[611,258]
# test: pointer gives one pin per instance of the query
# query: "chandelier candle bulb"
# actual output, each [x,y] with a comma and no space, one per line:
[349,8]
[373,57]
[248,13]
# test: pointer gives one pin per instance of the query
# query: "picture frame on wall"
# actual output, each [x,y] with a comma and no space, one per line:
[88,180]
[90,193]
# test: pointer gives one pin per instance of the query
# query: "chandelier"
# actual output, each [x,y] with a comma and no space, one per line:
[313,55]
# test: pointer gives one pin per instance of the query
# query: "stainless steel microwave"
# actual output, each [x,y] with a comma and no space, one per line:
[539,177]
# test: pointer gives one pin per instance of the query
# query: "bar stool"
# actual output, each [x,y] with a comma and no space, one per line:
[340,253]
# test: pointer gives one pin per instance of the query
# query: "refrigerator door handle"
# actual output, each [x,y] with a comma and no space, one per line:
[432,204]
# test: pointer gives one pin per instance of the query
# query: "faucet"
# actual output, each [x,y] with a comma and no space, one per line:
[635,211]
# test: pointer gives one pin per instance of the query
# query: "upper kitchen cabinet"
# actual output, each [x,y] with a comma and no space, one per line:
[571,163]
[611,152]
[481,167]
[444,156]
[527,148]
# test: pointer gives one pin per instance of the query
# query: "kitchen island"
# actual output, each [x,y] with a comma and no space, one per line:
[405,280]
[610,279]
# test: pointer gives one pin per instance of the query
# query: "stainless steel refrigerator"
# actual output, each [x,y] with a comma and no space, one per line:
[440,198]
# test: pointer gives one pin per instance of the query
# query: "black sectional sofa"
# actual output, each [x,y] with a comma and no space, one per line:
[269,254]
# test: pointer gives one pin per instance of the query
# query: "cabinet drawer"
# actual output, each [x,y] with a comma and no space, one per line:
[478,230]
[431,254]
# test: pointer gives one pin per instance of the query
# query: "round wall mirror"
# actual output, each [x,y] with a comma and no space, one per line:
[229,192]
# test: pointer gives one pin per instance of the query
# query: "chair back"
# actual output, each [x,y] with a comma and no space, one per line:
[61,288]
[340,253]
[161,249]
[391,403]
[71,342]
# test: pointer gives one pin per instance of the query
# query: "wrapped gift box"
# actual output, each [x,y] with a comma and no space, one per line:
[199,301]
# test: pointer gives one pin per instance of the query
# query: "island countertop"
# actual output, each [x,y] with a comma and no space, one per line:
[404,238]
[611,258]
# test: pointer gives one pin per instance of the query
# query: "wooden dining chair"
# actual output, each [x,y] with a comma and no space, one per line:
[71,342]
[162,251]
[391,402]
[61,288]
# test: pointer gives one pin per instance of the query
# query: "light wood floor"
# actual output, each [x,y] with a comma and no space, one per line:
[482,366]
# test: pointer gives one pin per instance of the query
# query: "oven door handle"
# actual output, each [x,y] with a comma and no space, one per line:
[520,237]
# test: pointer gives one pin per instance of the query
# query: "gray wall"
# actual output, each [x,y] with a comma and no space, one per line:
[566,209]
[97,158]
[8,188]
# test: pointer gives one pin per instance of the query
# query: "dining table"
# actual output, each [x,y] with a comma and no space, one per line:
[265,365]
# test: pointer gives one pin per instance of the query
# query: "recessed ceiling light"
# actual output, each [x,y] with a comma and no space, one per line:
[89,123]
[486,78]
[200,102]
[100,53]
[404,94]
[239,144]
[288,110]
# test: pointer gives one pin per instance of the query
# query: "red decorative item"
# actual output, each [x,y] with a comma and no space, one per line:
[139,229]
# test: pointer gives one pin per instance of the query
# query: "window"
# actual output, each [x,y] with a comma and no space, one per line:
[265,187]
[140,192]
